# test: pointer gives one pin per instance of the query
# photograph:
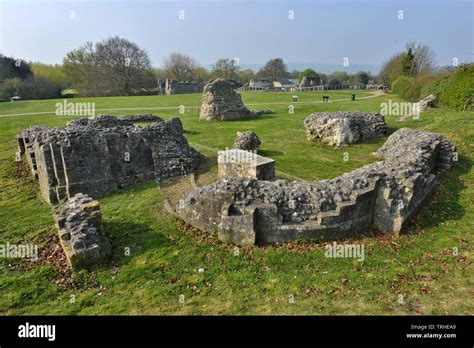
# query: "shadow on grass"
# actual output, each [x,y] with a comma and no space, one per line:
[444,205]
[256,118]
[269,153]
[129,240]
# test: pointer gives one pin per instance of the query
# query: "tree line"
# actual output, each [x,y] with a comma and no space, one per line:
[117,66]
[413,74]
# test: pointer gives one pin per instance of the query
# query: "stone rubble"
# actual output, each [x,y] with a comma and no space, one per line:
[79,223]
[344,127]
[248,141]
[425,102]
[384,195]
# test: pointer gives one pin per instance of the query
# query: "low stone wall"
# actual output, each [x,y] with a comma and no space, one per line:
[99,156]
[181,87]
[384,195]
[343,128]
[79,223]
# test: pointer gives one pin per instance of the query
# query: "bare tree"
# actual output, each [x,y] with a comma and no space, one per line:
[179,66]
[424,59]
[124,66]
[225,68]
[114,66]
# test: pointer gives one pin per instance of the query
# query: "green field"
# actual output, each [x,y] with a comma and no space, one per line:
[421,265]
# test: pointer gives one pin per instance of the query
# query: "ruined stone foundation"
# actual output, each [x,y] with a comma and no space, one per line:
[79,223]
[344,127]
[383,195]
[98,156]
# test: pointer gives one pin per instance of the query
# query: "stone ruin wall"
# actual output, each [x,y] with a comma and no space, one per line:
[383,195]
[344,127]
[99,156]
[81,233]
[220,102]
[170,87]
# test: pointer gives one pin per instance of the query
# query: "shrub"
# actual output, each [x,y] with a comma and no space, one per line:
[407,88]
[459,90]
[10,88]
[39,87]
[435,87]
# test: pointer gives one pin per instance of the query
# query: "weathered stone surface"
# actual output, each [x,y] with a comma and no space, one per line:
[98,156]
[384,195]
[220,102]
[79,223]
[343,128]
[241,163]
[248,141]
[425,102]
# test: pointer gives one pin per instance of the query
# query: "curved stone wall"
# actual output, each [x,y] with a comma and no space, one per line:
[384,195]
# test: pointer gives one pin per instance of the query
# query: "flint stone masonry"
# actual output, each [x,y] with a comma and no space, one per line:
[98,156]
[343,128]
[240,163]
[248,141]
[79,223]
[220,103]
[383,195]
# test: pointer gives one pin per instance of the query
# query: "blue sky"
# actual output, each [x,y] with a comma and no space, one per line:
[366,32]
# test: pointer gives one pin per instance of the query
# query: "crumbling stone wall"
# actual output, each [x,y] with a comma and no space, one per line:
[343,128]
[220,102]
[98,156]
[79,223]
[384,195]
[180,87]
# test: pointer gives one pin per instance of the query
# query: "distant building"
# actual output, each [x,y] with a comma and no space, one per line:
[311,81]
[372,85]
[261,84]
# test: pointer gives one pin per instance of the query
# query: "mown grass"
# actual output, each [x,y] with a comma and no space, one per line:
[165,255]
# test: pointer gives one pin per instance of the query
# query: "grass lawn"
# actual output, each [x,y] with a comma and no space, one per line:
[165,255]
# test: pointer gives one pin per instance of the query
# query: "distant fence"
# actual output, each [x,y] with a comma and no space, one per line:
[308,89]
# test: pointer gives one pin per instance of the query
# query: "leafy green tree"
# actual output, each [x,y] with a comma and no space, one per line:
[459,90]
[407,62]
[307,73]
[246,75]
[360,78]
[391,69]
[11,68]
[201,74]
[274,69]
[225,68]
[10,88]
